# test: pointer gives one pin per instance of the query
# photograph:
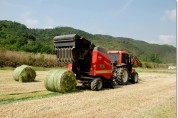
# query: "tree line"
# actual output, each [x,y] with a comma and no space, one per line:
[17,37]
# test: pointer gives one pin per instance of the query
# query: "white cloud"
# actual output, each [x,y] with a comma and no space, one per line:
[168,39]
[127,4]
[169,15]
[49,22]
[47,27]
[28,20]
[121,9]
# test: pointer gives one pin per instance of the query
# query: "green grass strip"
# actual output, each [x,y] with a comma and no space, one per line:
[16,97]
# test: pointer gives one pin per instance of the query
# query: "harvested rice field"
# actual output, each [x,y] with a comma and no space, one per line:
[153,97]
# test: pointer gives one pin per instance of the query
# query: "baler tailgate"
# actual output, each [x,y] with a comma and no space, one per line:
[70,48]
[64,54]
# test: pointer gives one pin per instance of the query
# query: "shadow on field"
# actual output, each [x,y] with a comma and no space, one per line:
[30,81]
[81,88]
[36,81]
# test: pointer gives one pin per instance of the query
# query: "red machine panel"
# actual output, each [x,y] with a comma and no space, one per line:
[101,64]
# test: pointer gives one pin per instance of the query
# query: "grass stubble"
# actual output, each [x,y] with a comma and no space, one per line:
[153,96]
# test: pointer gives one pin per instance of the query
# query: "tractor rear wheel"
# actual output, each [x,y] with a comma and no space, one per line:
[134,77]
[96,84]
[125,76]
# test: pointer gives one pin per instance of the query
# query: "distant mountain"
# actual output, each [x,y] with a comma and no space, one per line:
[16,36]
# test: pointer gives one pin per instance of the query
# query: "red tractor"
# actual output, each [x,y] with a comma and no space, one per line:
[94,66]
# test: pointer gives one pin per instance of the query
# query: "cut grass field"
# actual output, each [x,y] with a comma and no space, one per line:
[154,96]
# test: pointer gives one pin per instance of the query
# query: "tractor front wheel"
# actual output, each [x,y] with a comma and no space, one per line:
[134,77]
[96,84]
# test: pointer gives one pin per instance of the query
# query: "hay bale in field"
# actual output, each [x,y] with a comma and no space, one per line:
[24,73]
[49,80]
[66,82]
[60,81]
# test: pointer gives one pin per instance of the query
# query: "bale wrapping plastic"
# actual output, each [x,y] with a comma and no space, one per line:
[60,81]
[24,73]
[49,80]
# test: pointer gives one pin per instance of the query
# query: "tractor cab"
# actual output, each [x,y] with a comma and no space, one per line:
[119,58]
[123,59]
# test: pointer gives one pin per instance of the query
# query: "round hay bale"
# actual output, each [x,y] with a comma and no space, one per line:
[66,82]
[49,80]
[60,81]
[24,73]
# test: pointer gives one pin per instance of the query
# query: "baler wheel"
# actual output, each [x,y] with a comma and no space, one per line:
[96,84]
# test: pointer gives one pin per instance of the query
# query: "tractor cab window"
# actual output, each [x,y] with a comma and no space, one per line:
[125,58]
[114,58]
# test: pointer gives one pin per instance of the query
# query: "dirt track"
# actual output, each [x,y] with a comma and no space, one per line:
[153,96]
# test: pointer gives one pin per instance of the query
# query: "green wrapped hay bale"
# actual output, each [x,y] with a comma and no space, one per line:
[60,81]
[24,73]
[66,82]
[50,78]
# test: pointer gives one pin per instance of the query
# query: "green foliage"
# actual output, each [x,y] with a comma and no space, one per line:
[152,57]
[16,36]
[154,65]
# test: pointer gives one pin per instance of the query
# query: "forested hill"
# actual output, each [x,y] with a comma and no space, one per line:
[16,36]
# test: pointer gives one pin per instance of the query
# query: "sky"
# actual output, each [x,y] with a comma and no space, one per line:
[153,21]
